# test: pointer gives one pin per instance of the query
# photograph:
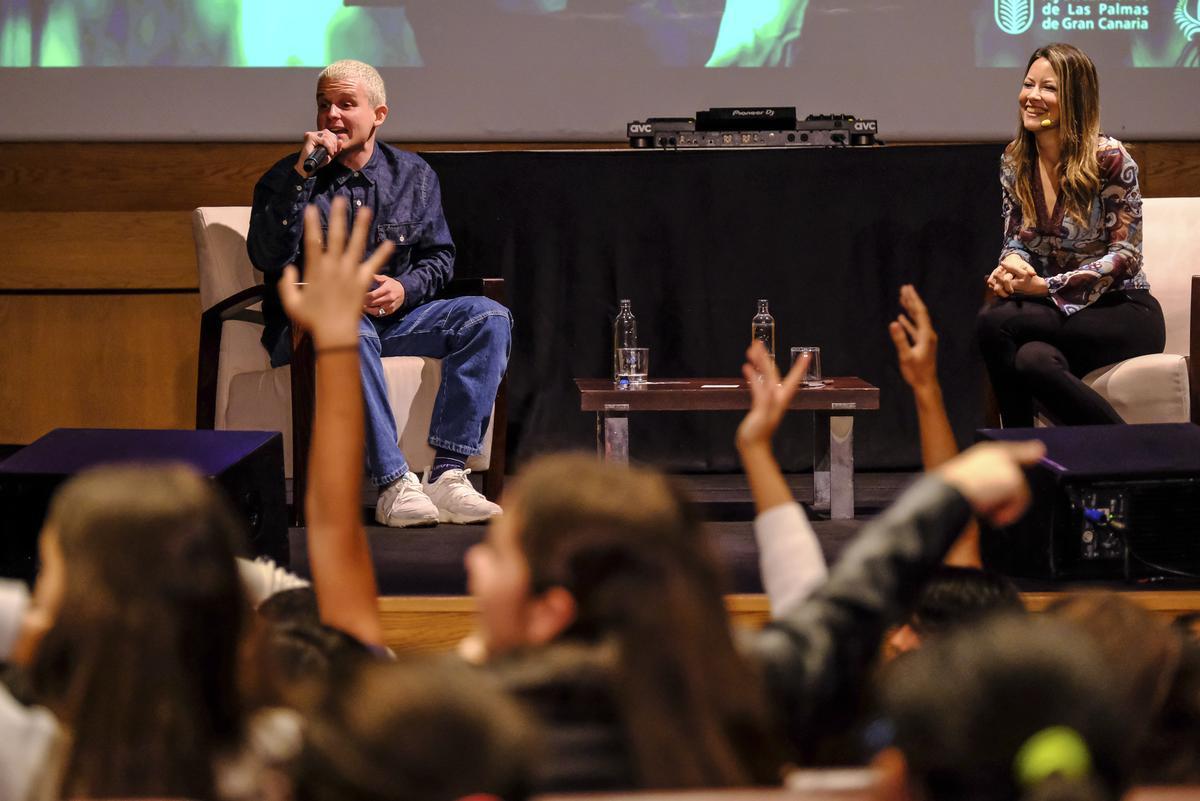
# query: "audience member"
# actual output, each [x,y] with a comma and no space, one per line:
[789,556]
[414,731]
[1158,673]
[1014,708]
[916,340]
[31,739]
[329,308]
[144,615]
[955,597]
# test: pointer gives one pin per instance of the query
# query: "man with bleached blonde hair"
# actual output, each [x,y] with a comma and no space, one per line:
[471,335]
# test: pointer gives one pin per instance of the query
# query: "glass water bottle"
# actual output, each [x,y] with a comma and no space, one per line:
[762,328]
[624,335]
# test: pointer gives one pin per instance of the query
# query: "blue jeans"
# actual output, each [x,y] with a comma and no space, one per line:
[472,336]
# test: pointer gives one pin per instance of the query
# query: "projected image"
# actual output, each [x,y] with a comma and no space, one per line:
[1147,33]
[201,33]
[404,33]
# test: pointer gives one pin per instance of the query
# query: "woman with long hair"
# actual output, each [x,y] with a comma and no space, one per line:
[1071,294]
[145,619]
[601,604]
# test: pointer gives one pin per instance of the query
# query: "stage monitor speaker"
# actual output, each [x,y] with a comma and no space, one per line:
[1109,502]
[247,465]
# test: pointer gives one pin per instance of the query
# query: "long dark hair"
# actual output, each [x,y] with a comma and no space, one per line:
[627,546]
[141,661]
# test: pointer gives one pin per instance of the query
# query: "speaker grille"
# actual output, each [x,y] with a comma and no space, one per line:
[1164,524]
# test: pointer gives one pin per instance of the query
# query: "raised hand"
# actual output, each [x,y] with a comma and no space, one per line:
[915,340]
[331,304]
[989,476]
[769,399]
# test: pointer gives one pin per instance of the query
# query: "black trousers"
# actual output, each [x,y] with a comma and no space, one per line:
[1035,352]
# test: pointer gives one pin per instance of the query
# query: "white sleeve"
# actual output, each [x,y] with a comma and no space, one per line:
[789,556]
[263,578]
[14,600]
[31,744]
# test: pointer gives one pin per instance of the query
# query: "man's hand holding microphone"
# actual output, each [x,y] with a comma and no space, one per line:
[310,159]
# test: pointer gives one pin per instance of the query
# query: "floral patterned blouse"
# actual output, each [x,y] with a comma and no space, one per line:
[1081,262]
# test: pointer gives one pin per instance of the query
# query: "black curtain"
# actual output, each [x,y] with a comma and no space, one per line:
[693,238]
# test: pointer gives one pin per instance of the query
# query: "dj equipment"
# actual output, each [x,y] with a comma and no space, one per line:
[774,126]
[247,465]
[1109,502]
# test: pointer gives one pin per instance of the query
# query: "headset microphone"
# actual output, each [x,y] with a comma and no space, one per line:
[1046,123]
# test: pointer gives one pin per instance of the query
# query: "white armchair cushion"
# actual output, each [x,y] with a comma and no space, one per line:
[1154,388]
[224,264]
[261,400]
[1146,389]
[413,383]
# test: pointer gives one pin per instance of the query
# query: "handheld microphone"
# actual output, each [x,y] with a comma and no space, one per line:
[315,159]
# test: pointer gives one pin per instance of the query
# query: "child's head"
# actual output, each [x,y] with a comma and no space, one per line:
[953,597]
[139,576]
[586,548]
[1016,707]
[597,553]
[422,730]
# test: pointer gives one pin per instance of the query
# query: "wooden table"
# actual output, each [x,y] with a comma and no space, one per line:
[833,404]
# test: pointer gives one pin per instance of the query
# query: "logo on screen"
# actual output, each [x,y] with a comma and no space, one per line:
[1188,25]
[1014,16]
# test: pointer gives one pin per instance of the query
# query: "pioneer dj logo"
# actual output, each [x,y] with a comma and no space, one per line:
[1014,16]
[754,112]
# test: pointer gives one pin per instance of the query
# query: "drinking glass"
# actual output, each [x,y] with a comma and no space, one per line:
[633,364]
[812,376]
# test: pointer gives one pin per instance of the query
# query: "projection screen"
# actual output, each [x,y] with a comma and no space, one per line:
[538,70]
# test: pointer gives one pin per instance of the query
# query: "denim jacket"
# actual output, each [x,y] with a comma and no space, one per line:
[405,198]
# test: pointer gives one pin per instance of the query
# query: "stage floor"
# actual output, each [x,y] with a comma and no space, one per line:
[429,561]
[422,581]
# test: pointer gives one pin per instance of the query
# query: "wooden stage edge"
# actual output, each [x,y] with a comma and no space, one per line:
[414,623]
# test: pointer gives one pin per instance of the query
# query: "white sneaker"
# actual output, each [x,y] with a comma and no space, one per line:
[456,500]
[403,504]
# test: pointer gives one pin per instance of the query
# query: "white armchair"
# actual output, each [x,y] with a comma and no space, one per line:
[1160,388]
[238,389]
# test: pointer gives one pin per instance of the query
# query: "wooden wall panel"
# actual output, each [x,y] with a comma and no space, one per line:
[1172,169]
[97,250]
[121,361]
[63,176]
[160,176]
[130,176]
